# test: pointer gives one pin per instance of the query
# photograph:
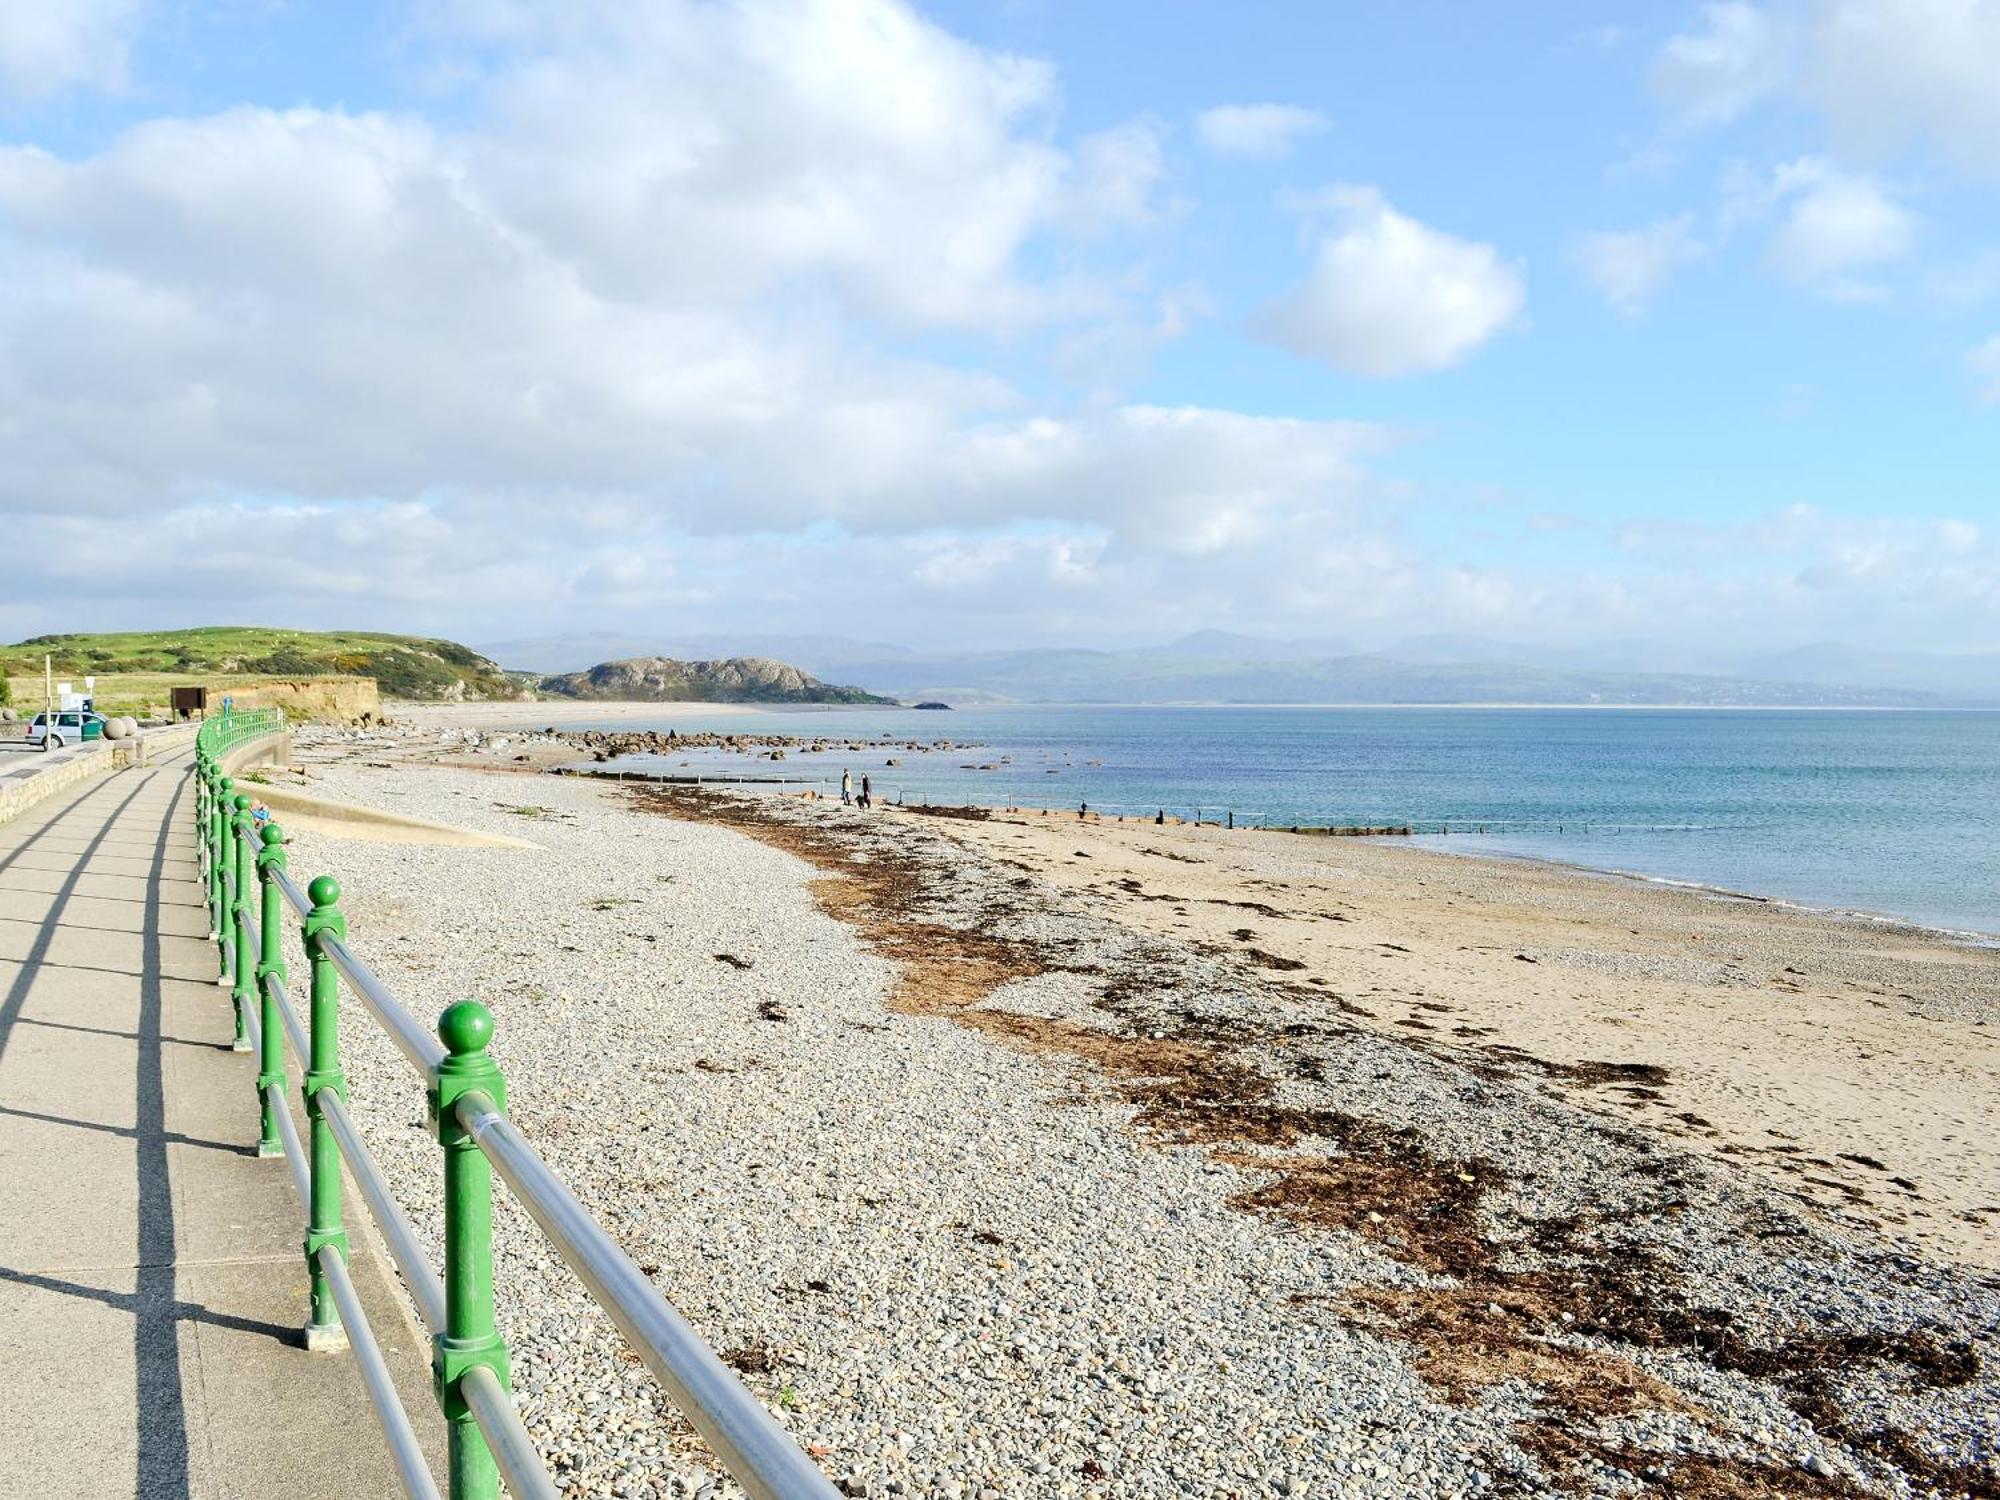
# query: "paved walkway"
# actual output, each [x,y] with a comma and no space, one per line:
[152,1284]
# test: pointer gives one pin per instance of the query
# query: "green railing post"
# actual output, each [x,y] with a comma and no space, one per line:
[323,1222]
[201,795]
[223,869]
[270,973]
[243,875]
[470,1335]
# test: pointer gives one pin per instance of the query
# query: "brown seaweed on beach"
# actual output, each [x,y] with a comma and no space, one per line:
[1559,1323]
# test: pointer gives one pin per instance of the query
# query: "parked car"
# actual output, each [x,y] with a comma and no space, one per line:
[72,727]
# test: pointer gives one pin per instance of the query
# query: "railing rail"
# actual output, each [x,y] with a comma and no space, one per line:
[249,887]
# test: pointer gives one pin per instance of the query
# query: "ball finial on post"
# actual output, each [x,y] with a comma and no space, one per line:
[324,890]
[465,1028]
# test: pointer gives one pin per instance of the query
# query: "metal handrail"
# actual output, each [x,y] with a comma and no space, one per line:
[288,1135]
[216,735]
[507,1435]
[417,1044]
[752,1446]
[294,1027]
[404,1448]
[426,1286]
[423,1050]
[506,1438]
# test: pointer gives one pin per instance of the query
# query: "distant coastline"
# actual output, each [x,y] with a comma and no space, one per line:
[1839,809]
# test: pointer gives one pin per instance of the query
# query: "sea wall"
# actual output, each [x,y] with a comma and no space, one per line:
[261,751]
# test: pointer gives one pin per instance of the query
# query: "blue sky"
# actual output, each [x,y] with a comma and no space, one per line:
[1008,322]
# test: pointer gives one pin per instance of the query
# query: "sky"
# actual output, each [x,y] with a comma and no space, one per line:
[1004,322]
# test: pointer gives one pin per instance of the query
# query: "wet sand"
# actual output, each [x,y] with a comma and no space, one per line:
[1852,1064]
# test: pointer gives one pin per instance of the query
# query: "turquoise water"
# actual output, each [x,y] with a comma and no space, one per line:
[1894,813]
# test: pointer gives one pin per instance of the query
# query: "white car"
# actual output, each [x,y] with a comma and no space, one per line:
[72,727]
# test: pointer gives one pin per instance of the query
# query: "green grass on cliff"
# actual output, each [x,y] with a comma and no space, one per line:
[403,666]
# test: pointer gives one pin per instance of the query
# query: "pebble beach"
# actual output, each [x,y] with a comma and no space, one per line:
[993,1181]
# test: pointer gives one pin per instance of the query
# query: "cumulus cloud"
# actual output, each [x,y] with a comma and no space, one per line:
[1741,54]
[671,264]
[1259,131]
[1116,174]
[696,310]
[1889,71]
[1885,73]
[725,151]
[1389,296]
[655,319]
[1835,224]
[47,46]
[1629,267]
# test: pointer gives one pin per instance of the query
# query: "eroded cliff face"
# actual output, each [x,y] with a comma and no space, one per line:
[663,679]
[339,700]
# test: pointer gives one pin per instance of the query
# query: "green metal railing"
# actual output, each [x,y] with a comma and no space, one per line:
[486,1441]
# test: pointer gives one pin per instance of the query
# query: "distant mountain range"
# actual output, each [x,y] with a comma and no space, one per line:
[1213,666]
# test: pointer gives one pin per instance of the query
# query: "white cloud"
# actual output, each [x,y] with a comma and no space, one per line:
[654,331]
[1182,479]
[1741,55]
[1984,363]
[1836,224]
[47,46]
[1888,71]
[1115,176]
[1260,131]
[1390,296]
[1629,267]
[659,269]
[1885,73]
[725,151]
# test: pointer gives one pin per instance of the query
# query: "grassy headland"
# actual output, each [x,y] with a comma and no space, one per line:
[136,668]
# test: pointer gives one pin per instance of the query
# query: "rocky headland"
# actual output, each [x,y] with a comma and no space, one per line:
[738,679]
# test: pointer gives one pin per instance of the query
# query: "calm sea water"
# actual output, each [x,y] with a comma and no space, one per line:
[1895,813]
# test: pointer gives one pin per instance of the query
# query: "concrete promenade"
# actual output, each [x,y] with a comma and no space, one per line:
[152,1285]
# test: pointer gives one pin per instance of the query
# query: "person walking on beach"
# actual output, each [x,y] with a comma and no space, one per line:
[846,788]
[867,798]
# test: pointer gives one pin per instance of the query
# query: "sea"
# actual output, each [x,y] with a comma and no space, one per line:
[1887,813]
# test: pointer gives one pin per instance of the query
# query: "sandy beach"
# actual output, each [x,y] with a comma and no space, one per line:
[1851,1062]
[1018,1156]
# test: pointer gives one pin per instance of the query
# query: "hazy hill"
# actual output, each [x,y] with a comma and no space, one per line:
[1101,677]
[575,651]
[1222,667]
[403,666]
[1968,675]
[660,679]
